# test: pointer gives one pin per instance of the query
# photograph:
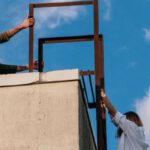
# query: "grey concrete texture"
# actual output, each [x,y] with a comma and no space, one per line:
[49,116]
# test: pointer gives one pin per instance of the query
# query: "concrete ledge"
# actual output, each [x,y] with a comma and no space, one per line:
[50,116]
[28,78]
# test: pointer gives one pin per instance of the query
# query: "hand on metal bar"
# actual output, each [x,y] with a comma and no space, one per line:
[28,22]
[103,95]
[35,66]
[103,106]
[111,109]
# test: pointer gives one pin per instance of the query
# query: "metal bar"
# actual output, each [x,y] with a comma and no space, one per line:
[99,76]
[60,4]
[68,39]
[40,56]
[31,39]
[102,85]
[101,62]
[92,105]
[91,86]
[84,86]
[100,138]
[86,72]
[101,116]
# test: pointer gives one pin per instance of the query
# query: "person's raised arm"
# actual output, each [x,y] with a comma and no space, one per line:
[26,67]
[8,69]
[111,109]
[25,24]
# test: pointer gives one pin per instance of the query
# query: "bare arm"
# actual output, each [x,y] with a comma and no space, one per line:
[23,68]
[25,24]
[111,109]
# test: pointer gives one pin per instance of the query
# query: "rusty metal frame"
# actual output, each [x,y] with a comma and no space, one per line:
[99,59]
[99,81]
[41,41]
[31,29]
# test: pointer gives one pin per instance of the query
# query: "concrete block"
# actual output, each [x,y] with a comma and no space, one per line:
[44,116]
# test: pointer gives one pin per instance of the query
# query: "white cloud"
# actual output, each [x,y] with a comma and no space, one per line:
[143,109]
[49,17]
[55,17]
[147,34]
[107,13]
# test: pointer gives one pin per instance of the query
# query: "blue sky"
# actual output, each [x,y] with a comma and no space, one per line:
[125,26]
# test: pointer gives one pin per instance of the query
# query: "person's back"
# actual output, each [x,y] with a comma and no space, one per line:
[130,135]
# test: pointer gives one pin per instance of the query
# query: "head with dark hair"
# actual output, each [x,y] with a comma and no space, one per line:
[132,116]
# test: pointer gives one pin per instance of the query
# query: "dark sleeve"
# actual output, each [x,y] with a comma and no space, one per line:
[7,69]
[4,37]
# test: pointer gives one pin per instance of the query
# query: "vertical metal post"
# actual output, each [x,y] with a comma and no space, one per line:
[99,80]
[40,56]
[102,85]
[31,33]
[100,113]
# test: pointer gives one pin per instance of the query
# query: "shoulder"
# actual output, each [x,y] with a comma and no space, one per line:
[120,120]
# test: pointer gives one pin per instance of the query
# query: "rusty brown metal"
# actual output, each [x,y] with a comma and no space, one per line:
[61,4]
[80,38]
[89,72]
[99,77]
[102,85]
[31,40]
[42,41]
[40,56]
[31,29]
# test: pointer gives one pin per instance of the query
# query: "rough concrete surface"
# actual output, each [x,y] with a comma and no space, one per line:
[48,116]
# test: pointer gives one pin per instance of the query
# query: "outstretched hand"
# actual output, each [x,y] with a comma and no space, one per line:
[27,23]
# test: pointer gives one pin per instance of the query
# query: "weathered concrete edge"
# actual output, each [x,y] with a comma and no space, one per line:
[28,78]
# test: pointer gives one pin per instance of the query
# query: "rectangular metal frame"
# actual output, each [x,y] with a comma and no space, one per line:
[99,59]
[31,29]
[42,41]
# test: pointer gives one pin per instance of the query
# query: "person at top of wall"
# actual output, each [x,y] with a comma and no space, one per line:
[5,37]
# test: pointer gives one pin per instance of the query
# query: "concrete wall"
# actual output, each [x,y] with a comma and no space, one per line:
[85,135]
[45,115]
